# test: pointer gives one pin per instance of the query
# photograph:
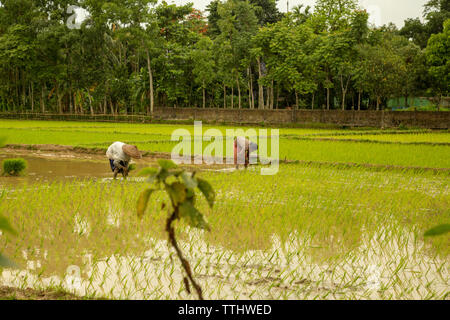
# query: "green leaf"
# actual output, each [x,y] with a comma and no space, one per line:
[438,230]
[189,181]
[148,172]
[177,192]
[207,191]
[7,263]
[167,164]
[193,216]
[5,226]
[163,174]
[176,173]
[143,201]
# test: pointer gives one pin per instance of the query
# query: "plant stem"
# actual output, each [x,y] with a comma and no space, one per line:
[184,262]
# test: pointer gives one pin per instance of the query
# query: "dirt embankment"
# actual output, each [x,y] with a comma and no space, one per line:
[72,152]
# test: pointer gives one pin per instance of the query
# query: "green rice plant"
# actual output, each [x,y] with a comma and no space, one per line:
[6,227]
[14,167]
[180,187]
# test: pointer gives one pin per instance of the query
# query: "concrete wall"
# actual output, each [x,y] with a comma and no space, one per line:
[433,120]
[387,119]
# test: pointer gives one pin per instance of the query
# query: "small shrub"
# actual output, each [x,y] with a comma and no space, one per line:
[14,167]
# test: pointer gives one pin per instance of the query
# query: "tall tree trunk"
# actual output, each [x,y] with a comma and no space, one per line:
[260,87]
[58,99]
[328,98]
[278,96]
[344,93]
[251,103]
[232,97]
[296,100]
[32,96]
[271,96]
[24,87]
[17,86]
[150,74]
[378,103]
[42,98]
[204,96]
[239,89]
[344,88]
[111,106]
[312,100]
[90,103]
[224,96]
[359,100]
[70,99]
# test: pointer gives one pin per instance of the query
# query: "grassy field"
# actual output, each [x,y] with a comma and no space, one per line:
[429,148]
[312,231]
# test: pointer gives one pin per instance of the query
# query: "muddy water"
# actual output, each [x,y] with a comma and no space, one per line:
[47,168]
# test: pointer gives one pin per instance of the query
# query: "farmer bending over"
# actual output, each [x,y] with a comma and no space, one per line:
[242,149]
[119,155]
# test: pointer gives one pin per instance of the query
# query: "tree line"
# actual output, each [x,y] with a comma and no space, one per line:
[130,56]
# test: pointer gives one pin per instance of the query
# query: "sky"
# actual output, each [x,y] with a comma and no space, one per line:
[381,11]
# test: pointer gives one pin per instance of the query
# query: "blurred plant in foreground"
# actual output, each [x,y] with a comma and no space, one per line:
[180,187]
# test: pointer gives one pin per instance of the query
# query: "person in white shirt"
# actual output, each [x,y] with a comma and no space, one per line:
[242,149]
[119,155]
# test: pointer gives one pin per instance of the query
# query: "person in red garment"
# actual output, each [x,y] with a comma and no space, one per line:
[242,149]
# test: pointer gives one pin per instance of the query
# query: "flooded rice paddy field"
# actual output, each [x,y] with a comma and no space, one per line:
[345,222]
[307,232]
[406,148]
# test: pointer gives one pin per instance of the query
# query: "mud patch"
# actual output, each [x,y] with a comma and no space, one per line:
[8,293]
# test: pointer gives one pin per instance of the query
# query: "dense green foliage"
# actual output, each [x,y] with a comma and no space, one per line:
[132,56]
[14,167]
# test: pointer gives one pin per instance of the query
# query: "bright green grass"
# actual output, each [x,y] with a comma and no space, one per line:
[161,129]
[367,153]
[408,138]
[157,138]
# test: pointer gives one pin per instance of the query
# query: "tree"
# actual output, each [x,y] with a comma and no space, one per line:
[238,24]
[203,61]
[380,71]
[332,15]
[266,11]
[435,13]
[437,53]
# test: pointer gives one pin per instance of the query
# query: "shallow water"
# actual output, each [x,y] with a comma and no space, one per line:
[378,269]
[47,168]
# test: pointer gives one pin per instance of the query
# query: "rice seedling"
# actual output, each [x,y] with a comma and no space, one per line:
[313,231]
[299,233]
